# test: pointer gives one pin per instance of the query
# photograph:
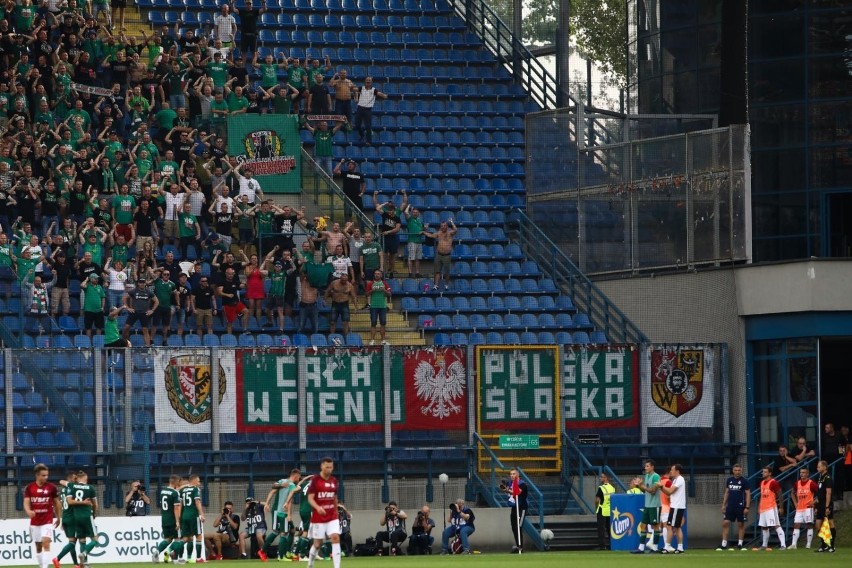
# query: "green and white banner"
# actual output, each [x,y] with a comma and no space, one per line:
[343,389]
[269,144]
[518,388]
[600,387]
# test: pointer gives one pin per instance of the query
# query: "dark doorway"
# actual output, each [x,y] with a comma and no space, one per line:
[840,225]
[835,381]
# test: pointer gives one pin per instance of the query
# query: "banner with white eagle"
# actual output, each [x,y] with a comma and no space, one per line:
[186,382]
[678,386]
[436,395]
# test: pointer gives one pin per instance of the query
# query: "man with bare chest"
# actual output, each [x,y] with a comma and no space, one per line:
[443,253]
[340,292]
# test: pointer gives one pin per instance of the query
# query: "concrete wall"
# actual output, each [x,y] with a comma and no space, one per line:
[690,307]
[819,285]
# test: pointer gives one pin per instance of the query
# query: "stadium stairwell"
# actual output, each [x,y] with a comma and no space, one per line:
[44,385]
[604,314]
[486,480]
[528,71]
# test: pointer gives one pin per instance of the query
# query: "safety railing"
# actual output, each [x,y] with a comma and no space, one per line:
[588,298]
[528,71]
[489,484]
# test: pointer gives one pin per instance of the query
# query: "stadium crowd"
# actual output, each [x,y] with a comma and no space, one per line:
[115,173]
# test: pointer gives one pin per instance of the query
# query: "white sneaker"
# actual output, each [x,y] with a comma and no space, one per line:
[669,549]
[155,557]
[792,546]
[652,547]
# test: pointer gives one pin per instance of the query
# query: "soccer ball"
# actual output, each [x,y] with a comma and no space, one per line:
[546,535]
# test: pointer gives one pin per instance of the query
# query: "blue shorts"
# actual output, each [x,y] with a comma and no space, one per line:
[736,514]
[339,310]
[380,315]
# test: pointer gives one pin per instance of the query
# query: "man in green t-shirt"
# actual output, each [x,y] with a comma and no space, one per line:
[84,505]
[170,512]
[189,230]
[279,501]
[237,101]
[371,258]
[94,298]
[414,228]
[164,290]
[284,95]
[191,516]
[651,511]
[378,295]
[217,70]
[297,78]
[324,143]
[112,335]
[219,114]
[275,298]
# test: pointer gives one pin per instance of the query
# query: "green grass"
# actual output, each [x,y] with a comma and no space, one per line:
[693,559]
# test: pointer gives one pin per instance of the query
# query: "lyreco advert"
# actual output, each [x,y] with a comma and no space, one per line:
[121,539]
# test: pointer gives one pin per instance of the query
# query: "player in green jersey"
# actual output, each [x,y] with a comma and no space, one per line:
[279,501]
[170,511]
[651,511]
[84,505]
[191,517]
[68,525]
[301,542]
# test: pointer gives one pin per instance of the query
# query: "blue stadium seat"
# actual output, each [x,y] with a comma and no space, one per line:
[564,338]
[458,339]
[581,337]
[581,321]
[512,321]
[229,340]
[528,338]
[441,339]
[511,338]
[598,337]
[564,304]
[354,340]
[192,340]
[211,340]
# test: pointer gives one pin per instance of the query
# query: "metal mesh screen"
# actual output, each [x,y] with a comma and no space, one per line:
[674,201]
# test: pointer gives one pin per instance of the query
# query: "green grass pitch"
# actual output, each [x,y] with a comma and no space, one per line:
[692,558]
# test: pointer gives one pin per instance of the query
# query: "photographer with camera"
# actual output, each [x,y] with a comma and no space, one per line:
[516,489]
[255,527]
[226,535]
[460,521]
[394,534]
[136,500]
[421,533]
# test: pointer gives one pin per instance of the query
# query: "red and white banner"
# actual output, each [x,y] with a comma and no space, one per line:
[436,392]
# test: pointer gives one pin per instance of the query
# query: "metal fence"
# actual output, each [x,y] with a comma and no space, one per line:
[672,201]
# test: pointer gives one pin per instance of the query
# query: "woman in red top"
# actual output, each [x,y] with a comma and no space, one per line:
[255,291]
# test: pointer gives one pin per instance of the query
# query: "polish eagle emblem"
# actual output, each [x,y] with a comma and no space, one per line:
[439,386]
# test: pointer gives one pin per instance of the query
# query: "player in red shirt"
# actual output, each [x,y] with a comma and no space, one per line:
[322,496]
[41,503]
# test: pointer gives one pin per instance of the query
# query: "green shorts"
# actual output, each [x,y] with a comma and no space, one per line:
[84,528]
[306,520]
[279,522]
[170,532]
[190,527]
[650,516]
[69,526]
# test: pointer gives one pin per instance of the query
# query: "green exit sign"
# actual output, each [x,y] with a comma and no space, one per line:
[519,442]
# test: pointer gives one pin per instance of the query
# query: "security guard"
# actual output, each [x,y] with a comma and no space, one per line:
[603,511]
